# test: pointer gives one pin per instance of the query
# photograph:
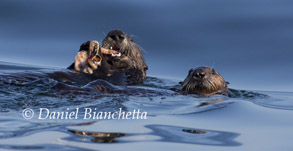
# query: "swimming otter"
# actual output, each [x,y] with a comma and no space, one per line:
[204,81]
[119,60]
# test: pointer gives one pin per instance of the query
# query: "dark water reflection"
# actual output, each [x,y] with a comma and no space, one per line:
[166,133]
[159,133]
[96,136]
[194,136]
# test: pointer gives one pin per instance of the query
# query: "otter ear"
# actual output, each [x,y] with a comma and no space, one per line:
[190,71]
[227,82]
[130,38]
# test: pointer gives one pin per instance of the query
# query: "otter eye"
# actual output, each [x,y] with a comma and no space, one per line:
[121,37]
[113,37]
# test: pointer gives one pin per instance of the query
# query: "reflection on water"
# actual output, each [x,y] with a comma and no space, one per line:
[189,135]
[211,101]
[43,147]
[194,131]
[166,133]
[98,137]
[247,94]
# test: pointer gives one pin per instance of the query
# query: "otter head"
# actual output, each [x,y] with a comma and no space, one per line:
[204,81]
[119,41]
[131,60]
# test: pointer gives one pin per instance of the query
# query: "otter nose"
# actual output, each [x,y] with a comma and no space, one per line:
[117,37]
[200,75]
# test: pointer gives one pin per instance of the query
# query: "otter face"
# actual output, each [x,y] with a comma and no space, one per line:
[131,60]
[119,41]
[204,81]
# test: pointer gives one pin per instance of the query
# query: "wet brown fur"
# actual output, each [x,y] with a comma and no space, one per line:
[131,61]
[204,81]
[129,68]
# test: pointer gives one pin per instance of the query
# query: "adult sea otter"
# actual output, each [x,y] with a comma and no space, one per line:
[119,59]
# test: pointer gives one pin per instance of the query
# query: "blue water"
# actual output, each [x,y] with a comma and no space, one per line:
[247,41]
[246,120]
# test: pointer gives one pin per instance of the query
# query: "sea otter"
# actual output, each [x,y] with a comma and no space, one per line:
[204,81]
[119,59]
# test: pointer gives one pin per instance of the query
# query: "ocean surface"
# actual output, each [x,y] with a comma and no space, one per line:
[247,120]
[249,42]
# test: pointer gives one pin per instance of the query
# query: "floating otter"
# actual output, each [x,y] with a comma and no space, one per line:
[119,60]
[204,81]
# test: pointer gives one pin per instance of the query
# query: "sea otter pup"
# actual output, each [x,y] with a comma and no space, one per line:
[204,81]
[118,59]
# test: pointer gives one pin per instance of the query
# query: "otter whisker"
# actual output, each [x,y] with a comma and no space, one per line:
[142,49]
[213,87]
[205,81]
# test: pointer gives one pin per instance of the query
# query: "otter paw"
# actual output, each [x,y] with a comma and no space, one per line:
[95,61]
